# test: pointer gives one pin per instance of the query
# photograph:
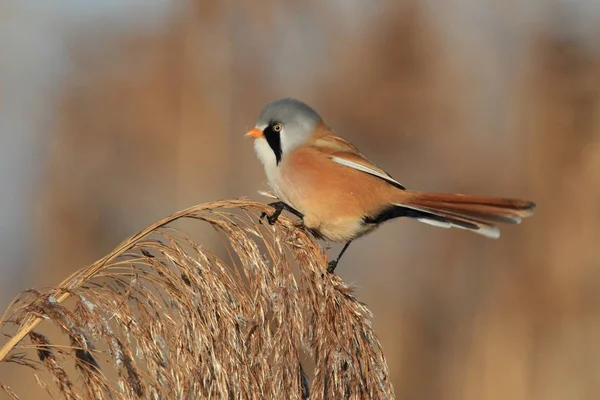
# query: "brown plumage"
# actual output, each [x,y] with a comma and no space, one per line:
[341,195]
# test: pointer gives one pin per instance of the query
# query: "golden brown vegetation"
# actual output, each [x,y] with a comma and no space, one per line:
[163,317]
[492,98]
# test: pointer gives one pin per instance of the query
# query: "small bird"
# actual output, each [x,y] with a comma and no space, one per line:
[340,195]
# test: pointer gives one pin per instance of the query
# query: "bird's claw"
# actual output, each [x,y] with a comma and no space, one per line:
[271,219]
[331,266]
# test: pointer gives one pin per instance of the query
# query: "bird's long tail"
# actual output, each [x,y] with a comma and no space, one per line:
[475,213]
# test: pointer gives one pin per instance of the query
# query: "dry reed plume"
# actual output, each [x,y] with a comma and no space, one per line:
[163,317]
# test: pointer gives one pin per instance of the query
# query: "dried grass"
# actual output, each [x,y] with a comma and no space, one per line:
[163,317]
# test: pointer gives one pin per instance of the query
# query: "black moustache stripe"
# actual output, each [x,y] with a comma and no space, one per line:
[274,141]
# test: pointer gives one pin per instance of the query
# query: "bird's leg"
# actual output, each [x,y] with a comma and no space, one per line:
[279,206]
[333,263]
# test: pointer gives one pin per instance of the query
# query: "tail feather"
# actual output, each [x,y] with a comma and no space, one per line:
[475,213]
[446,219]
[455,198]
[485,213]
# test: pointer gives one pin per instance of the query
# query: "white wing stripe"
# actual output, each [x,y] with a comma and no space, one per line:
[363,168]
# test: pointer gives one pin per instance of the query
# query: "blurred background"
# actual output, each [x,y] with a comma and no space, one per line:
[115,113]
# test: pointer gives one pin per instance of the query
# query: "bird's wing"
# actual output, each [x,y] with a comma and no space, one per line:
[343,152]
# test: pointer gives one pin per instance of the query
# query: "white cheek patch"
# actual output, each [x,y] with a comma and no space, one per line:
[264,152]
[267,158]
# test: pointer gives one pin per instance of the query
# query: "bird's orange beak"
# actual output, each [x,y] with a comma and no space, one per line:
[254,133]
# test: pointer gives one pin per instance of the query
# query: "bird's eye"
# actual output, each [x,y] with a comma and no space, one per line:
[277,127]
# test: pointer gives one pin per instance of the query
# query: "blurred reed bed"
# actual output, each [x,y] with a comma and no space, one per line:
[471,97]
[163,317]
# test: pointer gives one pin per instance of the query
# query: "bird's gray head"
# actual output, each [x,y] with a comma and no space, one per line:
[284,124]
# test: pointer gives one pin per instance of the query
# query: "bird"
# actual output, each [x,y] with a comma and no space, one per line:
[340,195]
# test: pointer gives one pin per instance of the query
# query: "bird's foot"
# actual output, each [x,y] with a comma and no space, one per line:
[331,266]
[271,219]
[333,263]
[279,206]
